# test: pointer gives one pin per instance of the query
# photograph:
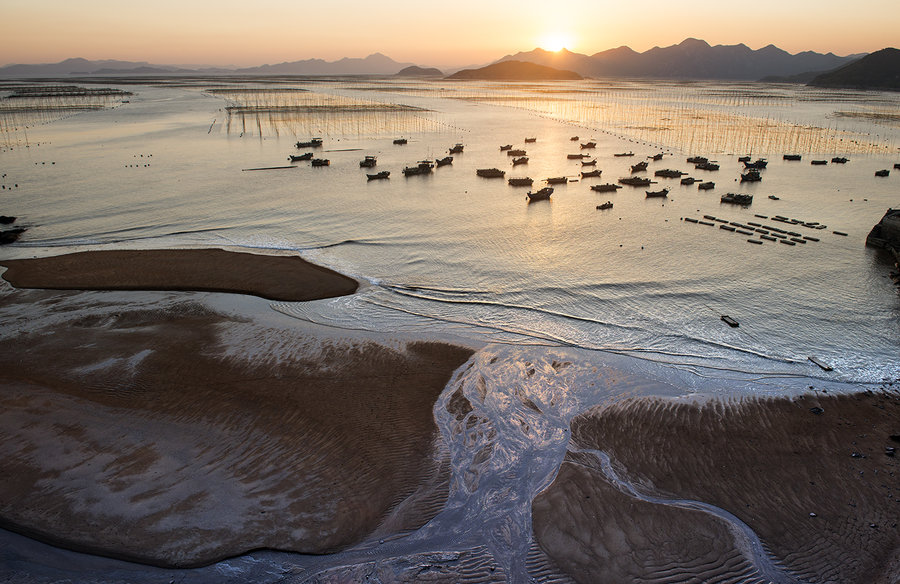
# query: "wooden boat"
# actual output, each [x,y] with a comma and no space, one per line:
[729,321]
[520,160]
[444,161]
[705,186]
[744,159]
[401,141]
[621,154]
[737,199]
[587,145]
[379,175]
[367,162]
[490,172]
[897,166]
[774,198]
[698,159]
[792,157]
[541,194]
[312,143]
[606,188]
[557,180]
[299,157]
[577,156]
[606,205]
[752,176]
[422,167]
[759,164]
[457,149]
[530,140]
[662,193]
[506,147]
[591,173]
[839,160]
[635,181]
[321,162]
[822,365]
[588,163]
[818,162]
[516,153]
[688,180]
[883,172]
[574,139]
[521,181]
[640,166]
[707,166]
[669,173]
[656,157]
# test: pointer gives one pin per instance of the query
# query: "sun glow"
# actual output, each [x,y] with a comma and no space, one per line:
[555,42]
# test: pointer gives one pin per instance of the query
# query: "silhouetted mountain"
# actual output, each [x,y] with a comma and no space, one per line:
[879,70]
[515,71]
[375,64]
[416,71]
[691,59]
[67,67]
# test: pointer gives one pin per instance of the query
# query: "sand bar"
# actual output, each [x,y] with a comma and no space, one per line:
[814,478]
[284,278]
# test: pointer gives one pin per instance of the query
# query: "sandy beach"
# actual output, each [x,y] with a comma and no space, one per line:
[173,435]
[287,278]
[813,477]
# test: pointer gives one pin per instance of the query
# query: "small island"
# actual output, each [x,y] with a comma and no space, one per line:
[516,71]
[879,70]
[416,71]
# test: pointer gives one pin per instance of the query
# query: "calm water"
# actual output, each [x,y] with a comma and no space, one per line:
[452,254]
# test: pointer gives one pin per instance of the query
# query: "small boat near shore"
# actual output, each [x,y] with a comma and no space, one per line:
[635,181]
[312,143]
[840,160]
[606,205]
[587,145]
[321,162]
[662,193]
[758,164]
[422,167]
[729,321]
[592,162]
[669,173]
[368,162]
[883,172]
[818,162]
[698,159]
[688,180]
[401,141]
[577,156]
[792,157]
[506,147]
[379,175]
[705,186]
[707,166]
[523,181]
[541,194]
[490,172]
[444,161]
[557,180]
[640,166]
[516,153]
[591,173]
[621,154]
[457,149]
[299,157]
[737,199]
[752,176]
[520,160]
[530,140]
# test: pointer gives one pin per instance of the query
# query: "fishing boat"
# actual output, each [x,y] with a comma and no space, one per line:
[792,157]
[752,176]
[774,198]
[839,160]
[573,139]
[506,147]
[523,181]
[457,149]
[321,162]
[737,199]
[490,172]
[656,157]
[818,162]
[312,143]
[635,181]
[605,188]
[606,205]
[557,180]
[444,161]
[669,173]
[379,175]
[541,194]
[577,156]
[587,145]
[588,162]
[698,159]
[758,164]
[621,154]
[744,159]
[730,321]
[299,157]
[520,160]
[705,186]
[530,140]
[707,166]
[662,193]
[883,172]
[688,180]
[640,166]
[422,167]
[897,166]
[516,153]
[591,173]
[401,141]
[368,162]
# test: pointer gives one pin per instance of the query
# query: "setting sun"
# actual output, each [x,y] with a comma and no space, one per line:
[555,42]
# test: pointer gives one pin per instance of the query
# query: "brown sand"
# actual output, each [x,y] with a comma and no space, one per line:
[130,435]
[286,278]
[769,462]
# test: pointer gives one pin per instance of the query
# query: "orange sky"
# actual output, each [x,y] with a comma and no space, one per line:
[463,32]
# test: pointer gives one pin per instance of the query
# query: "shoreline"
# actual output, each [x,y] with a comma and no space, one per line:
[280,278]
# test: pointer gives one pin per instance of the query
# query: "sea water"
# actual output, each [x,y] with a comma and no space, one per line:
[634,289]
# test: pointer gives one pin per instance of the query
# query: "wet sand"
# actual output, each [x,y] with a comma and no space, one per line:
[285,278]
[818,488]
[177,436]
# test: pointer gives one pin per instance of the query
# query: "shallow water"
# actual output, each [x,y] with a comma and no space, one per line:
[577,296]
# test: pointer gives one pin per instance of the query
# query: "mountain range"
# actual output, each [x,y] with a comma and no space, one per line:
[690,59]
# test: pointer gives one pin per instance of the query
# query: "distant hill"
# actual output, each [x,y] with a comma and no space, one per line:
[416,71]
[374,64]
[690,59]
[516,71]
[879,70]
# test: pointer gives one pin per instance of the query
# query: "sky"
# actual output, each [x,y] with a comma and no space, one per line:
[441,34]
